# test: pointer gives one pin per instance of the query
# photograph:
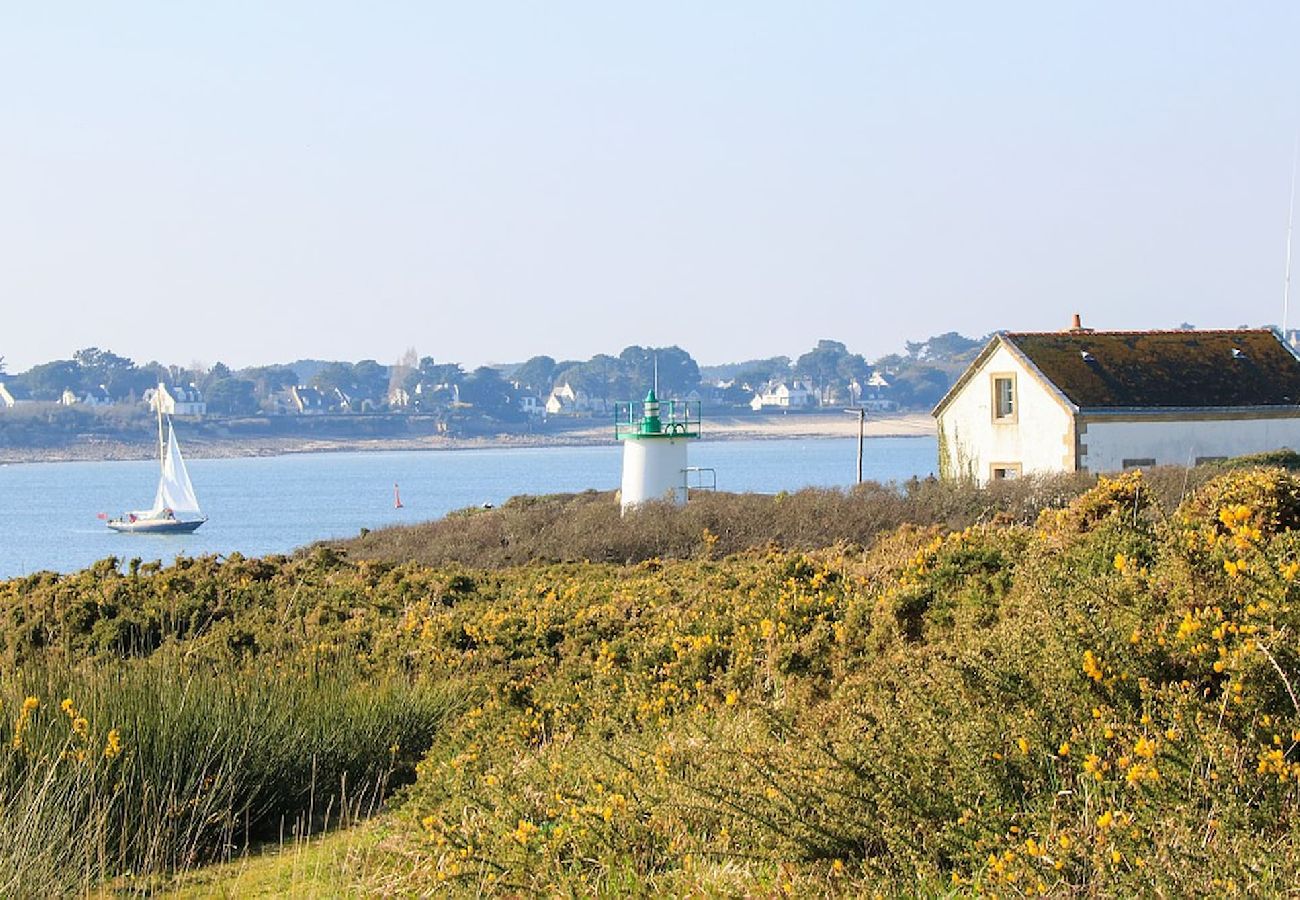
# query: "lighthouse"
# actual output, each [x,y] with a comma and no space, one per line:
[655,437]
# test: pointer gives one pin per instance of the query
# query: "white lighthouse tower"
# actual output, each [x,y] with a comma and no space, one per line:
[654,448]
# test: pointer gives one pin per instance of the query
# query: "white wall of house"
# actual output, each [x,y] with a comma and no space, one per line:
[1038,438]
[783,396]
[1111,444]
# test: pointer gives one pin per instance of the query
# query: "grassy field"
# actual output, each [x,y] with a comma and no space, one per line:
[1052,688]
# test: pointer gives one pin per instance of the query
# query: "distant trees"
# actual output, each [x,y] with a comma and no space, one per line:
[219,372]
[831,368]
[89,368]
[945,348]
[48,381]
[117,374]
[231,397]
[335,376]
[678,373]
[756,373]
[400,371]
[536,375]
[917,377]
[487,391]
[269,379]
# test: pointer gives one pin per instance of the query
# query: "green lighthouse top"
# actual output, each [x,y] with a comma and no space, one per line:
[652,419]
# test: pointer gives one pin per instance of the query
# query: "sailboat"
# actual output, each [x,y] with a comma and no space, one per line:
[175,508]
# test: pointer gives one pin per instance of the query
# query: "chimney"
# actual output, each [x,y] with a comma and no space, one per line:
[1076,326]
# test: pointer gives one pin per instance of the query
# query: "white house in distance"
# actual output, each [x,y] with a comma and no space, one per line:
[1103,401]
[179,400]
[781,395]
[566,400]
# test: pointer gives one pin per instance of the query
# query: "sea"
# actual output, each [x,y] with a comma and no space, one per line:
[263,505]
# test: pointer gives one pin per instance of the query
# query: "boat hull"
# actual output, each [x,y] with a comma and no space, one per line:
[155,526]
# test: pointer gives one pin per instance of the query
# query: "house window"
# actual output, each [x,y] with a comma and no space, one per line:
[1138,464]
[1004,398]
[1004,471]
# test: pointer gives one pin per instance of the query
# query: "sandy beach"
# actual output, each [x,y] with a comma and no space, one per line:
[723,427]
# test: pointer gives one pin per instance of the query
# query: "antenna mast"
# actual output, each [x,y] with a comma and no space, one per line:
[1290,222]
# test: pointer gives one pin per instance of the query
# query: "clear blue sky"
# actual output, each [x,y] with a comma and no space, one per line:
[256,182]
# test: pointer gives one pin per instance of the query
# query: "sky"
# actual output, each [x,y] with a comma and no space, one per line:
[258,182]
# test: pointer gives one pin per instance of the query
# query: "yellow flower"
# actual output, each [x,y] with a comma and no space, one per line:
[67,707]
[732,698]
[1091,666]
[1105,820]
[1023,745]
[30,704]
[1064,749]
[113,746]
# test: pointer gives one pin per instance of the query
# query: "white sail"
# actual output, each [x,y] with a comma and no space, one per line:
[175,492]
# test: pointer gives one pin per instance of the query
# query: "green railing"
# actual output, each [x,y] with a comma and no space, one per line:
[676,419]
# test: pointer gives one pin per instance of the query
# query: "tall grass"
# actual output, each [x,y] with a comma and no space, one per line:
[143,767]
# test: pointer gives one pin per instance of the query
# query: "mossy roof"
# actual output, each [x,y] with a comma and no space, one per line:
[1165,369]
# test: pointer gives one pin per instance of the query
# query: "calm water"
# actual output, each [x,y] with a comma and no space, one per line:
[273,504]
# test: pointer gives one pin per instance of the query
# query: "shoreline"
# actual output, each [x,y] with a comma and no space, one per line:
[775,426]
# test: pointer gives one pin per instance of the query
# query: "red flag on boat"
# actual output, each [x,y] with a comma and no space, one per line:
[397,498]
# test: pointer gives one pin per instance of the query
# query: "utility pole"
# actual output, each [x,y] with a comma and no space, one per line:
[861,413]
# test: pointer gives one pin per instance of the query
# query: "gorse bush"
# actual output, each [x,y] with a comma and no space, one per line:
[1050,687]
[1101,702]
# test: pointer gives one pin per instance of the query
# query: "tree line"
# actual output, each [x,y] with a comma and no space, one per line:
[917,377]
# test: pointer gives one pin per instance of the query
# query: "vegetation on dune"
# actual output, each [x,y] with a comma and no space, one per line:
[1017,693]
[148,768]
[1102,701]
[589,526]
[162,719]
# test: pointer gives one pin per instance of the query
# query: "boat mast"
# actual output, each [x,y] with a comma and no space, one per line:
[162,454]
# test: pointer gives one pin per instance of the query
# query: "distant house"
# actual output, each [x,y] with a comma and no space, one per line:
[427,397]
[782,395]
[1097,401]
[875,394]
[568,400]
[308,401]
[97,396]
[69,397]
[530,405]
[179,400]
[563,400]
[339,399]
[12,395]
[399,398]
